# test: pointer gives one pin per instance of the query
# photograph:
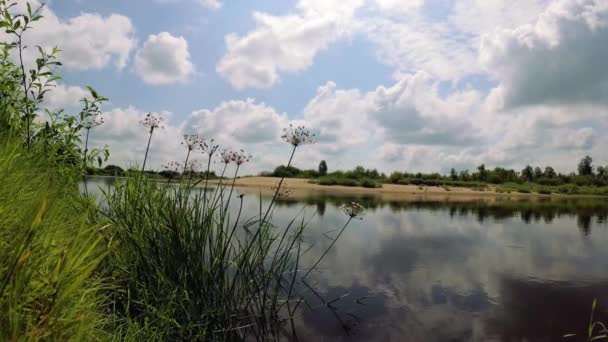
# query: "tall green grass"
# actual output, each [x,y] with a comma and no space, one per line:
[49,252]
[187,266]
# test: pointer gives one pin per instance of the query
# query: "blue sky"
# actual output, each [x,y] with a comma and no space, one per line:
[418,85]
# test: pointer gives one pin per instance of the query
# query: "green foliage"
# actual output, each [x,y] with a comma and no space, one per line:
[49,252]
[585,167]
[322,168]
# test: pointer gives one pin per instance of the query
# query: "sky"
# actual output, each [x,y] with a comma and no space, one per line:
[409,85]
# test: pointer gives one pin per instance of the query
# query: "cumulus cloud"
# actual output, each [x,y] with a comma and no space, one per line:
[559,59]
[283,43]
[211,4]
[65,97]
[87,41]
[163,59]
[126,138]
[240,122]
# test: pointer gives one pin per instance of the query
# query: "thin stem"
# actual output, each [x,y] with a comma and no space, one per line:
[25,89]
[206,183]
[232,187]
[143,168]
[350,218]
[186,163]
[274,197]
[86,149]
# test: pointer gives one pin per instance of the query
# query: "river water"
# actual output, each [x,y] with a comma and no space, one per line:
[419,270]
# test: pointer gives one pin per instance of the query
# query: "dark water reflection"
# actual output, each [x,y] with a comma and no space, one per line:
[499,270]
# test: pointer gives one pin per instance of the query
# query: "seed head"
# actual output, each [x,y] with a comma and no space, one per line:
[209,147]
[241,157]
[298,136]
[193,166]
[92,121]
[192,141]
[152,122]
[172,166]
[227,156]
[353,210]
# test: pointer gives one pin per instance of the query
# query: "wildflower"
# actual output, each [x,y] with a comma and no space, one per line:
[298,136]
[92,121]
[152,122]
[193,166]
[226,156]
[240,158]
[172,166]
[192,141]
[353,210]
[209,147]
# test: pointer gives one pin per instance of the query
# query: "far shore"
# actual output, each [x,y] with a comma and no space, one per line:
[302,188]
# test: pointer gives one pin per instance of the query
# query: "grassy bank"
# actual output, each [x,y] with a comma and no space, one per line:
[154,262]
[50,253]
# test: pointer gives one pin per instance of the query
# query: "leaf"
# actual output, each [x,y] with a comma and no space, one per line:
[93,92]
[40,213]
[17,25]
[29,9]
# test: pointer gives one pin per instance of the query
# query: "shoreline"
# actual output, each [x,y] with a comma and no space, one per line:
[300,187]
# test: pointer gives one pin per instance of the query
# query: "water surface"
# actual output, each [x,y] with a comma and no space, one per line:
[506,270]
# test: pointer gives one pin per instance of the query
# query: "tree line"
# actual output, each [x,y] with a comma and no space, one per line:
[586,175]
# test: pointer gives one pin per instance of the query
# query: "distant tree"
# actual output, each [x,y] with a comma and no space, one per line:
[322,168]
[602,172]
[585,167]
[114,170]
[465,176]
[538,173]
[453,174]
[482,173]
[549,172]
[527,174]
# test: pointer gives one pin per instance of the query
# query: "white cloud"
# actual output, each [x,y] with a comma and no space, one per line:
[163,59]
[126,139]
[87,41]
[284,43]
[63,97]
[559,59]
[212,4]
[238,122]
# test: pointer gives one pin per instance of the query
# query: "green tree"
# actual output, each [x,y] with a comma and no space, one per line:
[549,172]
[322,168]
[585,166]
[538,173]
[453,174]
[482,173]
[527,174]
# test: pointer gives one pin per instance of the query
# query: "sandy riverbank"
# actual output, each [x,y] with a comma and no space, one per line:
[302,188]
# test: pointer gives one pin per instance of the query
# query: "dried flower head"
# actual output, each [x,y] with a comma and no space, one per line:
[192,141]
[353,210]
[92,121]
[152,122]
[227,156]
[283,192]
[172,166]
[298,136]
[193,166]
[241,157]
[209,147]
